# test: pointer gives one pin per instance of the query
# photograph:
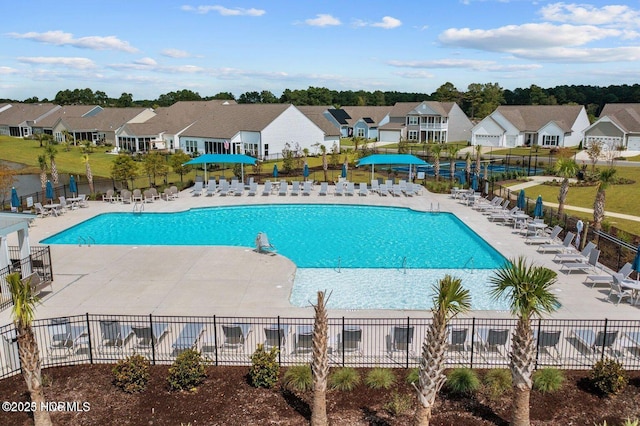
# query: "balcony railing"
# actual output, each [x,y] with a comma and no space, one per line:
[38,261]
[434,126]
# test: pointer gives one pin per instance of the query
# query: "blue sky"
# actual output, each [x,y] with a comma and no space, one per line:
[148,48]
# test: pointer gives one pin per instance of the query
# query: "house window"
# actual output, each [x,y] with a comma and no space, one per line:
[190,146]
[266,150]
[550,140]
[360,132]
[413,120]
[413,135]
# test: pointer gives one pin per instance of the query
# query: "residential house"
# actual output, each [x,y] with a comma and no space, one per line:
[45,125]
[618,126]
[101,128]
[359,121]
[427,121]
[321,117]
[17,119]
[163,130]
[259,130]
[529,125]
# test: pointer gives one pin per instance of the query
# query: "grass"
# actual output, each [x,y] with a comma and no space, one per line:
[525,151]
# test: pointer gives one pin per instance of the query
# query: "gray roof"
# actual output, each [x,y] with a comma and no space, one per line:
[227,121]
[66,111]
[627,116]
[110,119]
[19,113]
[316,114]
[176,117]
[402,109]
[531,118]
[376,113]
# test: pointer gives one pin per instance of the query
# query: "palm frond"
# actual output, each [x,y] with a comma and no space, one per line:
[450,298]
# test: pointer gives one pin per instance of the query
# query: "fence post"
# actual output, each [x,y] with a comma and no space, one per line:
[538,341]
[473,335]
[408,340]
[604,339]
[215,340]
[153,341]
[89,339]
[279,344]
[342,342]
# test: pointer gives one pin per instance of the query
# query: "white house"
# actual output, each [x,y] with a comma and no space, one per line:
[543,125]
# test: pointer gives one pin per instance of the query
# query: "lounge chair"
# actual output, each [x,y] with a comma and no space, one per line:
[554,247]
[545,239]
[235,186]
[188,337]
[350,189]
[362,190]
[10,351]
[64,336]
[197,189]
[63,204]
[137,196]
[35,281]
[458,340]
[82,200]
[248,184]
[307,187]
[148,197]
[349,341]
[167,195]
[211,187]
[224,188]
[114,336]
[263,245]
[572,255]
[382,190]
[617,289]
[324,188]
[495,202]
[284,188]
[126,196]
[41,211]
[148,337]
[174,191]
[253,188]
[235,336]
[339,189]
[396,190]
[401,338]
[275,336]
[295,188]
[625,271]
[503,215]
[238,189]
[154,193]
[303,339]
[594,342]
[548,341]
[590,265]
[493,340]
[266,191]
[375,185]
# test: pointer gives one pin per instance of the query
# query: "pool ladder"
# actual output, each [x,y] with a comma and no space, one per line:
[85,240]
[404,265]
[436,209]
[339,267]
[466,265]
[138,207]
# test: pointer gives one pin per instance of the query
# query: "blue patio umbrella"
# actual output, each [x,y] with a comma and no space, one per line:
[73,188]
[463,179]
[49,191]
[521,203]
[15,201]
[344,170]
[537,212]
[636,263]
[474,182]
[305,171]
[275,170]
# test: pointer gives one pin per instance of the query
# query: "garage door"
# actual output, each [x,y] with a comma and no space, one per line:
[487,140]
[634,143]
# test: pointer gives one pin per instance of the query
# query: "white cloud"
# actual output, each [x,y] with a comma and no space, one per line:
[175,53]
[591,55]
[224,11]
[475,65]
[414,74]
[388,23]
[75,63]
[614,15]
[7,70]
[60,38]
[323,20]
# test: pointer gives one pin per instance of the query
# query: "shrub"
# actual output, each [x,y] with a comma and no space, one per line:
[132,374]
[548,380]
[399,404]
[413,376]
[344,379]
[187,371]
[380,378]
[497,381]
[462,381]
[608,377]
[264,367]
[299,378]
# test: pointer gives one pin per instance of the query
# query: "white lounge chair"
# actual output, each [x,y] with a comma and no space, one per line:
[618,289]
[154,193]
[295,188]
[596,342]
[235,336]
[114,336]
[590,265]
[126,196]
[554,247]
[136,197]
[339,189]
[148,197]
[41,211]
[307,187]
[65,337]
[375,185]
[188,337]
[363,191]
[324,188]
[263,245]
[350,189]
[266,191]
[625,271]
[224,188]
[211,187]
[574,256]
[147,337]
[284,188]
[197,188]
[237,189]
[253,188]
[545,239]
[383,190]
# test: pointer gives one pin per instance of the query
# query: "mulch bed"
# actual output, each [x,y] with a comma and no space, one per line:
[226,398]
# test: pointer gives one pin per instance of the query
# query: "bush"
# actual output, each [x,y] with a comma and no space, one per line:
[548,380]
[380,378]
[413,376]
[344,379]
[399,404]
[608,377]
[187,371]
[132,374]
[264,367]
[462,381]
[299,378]
[497,381]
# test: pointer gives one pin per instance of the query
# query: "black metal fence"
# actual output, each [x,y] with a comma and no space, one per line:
[392,342]
[39,260]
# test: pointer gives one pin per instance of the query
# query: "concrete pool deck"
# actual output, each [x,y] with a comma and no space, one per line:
[232,281]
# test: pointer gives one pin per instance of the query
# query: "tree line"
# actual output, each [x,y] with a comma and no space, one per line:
[477,101]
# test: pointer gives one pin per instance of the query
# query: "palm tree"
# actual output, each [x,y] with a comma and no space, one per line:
[24,302]
[452,151]
[467,166]
[42,162]
[527,288]
[478,150]
[604,180]
[325,165]
[320,362]
[565,168]
[85,160]
[51,153]
[436,150]
[450,299]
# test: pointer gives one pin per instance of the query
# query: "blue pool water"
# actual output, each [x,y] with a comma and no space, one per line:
[312,236]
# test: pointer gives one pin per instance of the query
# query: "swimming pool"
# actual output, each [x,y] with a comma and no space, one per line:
[332,237]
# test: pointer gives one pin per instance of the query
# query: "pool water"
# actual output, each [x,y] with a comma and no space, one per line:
[330,237]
